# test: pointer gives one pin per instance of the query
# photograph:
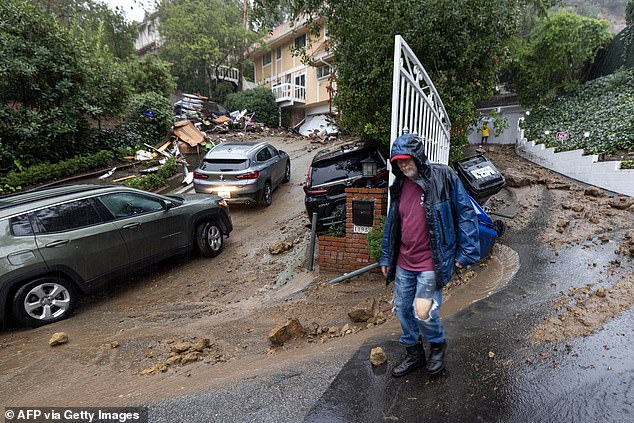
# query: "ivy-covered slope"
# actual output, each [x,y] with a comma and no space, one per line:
[599,117]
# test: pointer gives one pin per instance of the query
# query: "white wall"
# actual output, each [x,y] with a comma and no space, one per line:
[509,136]
[574,164]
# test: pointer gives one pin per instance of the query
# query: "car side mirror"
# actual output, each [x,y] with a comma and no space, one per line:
[166,204]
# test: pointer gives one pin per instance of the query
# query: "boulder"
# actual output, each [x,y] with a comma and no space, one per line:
[377,356]
[58,338]
[363,311]
[621,202]
[290,330]
[280,247]
[201,344]
[516,180]
[594,192]
[180,347]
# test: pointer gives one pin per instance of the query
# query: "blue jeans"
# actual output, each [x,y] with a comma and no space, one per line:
[409,285]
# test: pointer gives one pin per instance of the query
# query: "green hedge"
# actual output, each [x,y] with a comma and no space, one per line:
[15,180]
[602,109]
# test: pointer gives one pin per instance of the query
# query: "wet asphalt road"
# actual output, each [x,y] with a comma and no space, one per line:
[582,380]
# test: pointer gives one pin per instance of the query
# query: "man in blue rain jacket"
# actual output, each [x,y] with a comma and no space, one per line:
[431,229]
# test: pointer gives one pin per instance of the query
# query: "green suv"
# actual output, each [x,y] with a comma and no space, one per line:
[61,241]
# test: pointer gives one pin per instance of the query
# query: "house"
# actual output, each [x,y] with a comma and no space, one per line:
[148,38]
[303,92]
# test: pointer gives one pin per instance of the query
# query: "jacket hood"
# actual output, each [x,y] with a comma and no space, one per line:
[412,145]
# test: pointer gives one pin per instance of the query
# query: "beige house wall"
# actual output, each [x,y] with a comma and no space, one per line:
[275,72]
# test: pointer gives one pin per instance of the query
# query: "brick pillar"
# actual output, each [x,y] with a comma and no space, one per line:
[349,253]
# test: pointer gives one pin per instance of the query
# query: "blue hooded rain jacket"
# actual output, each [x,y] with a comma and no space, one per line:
[451,219]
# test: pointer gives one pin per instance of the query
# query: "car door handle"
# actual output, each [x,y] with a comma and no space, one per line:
[131,225]
[58,243]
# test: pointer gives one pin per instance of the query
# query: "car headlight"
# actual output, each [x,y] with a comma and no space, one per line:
[222,203]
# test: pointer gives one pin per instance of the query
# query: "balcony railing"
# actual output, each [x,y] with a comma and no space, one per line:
[289,92]
[228,74]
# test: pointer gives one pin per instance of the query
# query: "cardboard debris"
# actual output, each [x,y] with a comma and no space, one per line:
[222,119]
[186,131]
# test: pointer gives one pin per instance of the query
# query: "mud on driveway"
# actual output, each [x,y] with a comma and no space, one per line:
[152,321]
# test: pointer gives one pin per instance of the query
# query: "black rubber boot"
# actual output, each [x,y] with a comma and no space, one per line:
[436,363]
[414,359]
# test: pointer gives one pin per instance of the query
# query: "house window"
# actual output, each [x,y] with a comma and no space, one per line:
[278,53]
[266,59]
[300,42]
[323,71]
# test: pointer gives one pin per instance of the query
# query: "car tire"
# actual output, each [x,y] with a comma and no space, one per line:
[266,196]
[209,239]
[287,172]
[43,301]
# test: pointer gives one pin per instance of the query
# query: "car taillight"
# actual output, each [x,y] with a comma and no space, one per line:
[200,176]
[250,175]
[317,191]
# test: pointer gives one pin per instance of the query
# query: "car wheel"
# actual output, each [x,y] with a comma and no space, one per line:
[43,301]
[209,239]
[287,172]
[266,197]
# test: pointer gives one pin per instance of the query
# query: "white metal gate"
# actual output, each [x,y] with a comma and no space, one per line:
[416,105]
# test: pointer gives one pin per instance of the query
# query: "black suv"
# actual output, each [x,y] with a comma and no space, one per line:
[59,241]
[332,171]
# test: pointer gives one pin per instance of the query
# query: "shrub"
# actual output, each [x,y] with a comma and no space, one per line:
[148,119]
[375,236]
[156,180]
[15,180]
[260,101]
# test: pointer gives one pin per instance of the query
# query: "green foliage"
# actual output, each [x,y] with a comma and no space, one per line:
[138,129]
[155,180]
[627,164]
[603,107]
[461,44]
[53,76]
[93,19]
[629,13]
[201,35]
[554,58]
[15,180]
[375,237]
[259,100]
[151,74]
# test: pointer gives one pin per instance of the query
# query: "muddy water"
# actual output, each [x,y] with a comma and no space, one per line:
[501,268]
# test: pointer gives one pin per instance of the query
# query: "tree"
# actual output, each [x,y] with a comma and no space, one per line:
[94,18]
[42,76]
[554,58]
[151,74]
[629,13]
[460,43]
[200,36]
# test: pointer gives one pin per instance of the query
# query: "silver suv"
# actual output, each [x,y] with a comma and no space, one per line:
[243,172]
[57,242]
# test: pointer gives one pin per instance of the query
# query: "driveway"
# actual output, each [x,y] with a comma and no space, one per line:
[506,361]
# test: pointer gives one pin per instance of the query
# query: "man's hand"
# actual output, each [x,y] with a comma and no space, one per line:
[384,270]
[458,265]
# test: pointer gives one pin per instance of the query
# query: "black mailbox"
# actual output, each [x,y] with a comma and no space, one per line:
[362,213]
